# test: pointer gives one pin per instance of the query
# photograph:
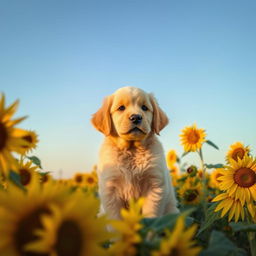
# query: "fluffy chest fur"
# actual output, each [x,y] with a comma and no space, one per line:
[130,171]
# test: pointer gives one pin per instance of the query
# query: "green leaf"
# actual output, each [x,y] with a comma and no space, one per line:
[211,217]
[159,224]
[242,226]
[165,222]
[220,245]
[212,144]
[35,161]
[15,178]
[147,246]
[214,166]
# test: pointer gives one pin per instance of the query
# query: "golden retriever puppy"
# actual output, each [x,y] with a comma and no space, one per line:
[132,162]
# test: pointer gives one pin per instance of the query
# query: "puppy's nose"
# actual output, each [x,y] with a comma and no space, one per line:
[136,119]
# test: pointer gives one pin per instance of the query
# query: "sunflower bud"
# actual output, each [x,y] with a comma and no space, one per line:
[192,170]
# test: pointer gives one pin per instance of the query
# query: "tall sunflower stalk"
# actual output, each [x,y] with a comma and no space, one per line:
[192,140]
[251,235]
[204,181]
[252,242]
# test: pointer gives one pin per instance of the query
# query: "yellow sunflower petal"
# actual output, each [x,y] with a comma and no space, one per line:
[229,203]
[237,211]
[220,197]
[231,213]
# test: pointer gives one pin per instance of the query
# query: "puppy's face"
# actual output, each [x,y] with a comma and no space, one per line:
[131,114]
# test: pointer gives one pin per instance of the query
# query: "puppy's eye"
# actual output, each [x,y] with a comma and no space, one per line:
[144,108]
[121,108]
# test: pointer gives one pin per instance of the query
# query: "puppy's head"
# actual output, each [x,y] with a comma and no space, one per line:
[130,113]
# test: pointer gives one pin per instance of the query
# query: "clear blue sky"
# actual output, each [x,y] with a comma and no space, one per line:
[60,58]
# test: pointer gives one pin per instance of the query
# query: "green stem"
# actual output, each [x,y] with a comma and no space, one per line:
[252,242]
[251,235]
[205,191]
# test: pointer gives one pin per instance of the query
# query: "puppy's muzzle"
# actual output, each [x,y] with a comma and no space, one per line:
[135,119]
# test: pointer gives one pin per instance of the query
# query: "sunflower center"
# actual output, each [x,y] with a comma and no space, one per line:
[79,178]
[25,177]
[193,137]
[90,180]
[44,178]
[174,252]
[190,169]
[69,239]
[3,136]
[245,177]
[191,195]
[172,158]
[25,231]
[28,138]
[238,152]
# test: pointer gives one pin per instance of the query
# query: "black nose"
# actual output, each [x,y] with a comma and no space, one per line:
[136,119]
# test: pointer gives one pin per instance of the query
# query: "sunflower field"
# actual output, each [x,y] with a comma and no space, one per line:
[44,216]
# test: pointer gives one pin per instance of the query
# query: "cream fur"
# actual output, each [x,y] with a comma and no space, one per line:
[132,164]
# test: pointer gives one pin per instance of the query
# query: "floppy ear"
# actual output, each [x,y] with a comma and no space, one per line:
[160,120]
[101,120]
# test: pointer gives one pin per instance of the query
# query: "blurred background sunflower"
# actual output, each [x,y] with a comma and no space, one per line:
[11,139]
[171,159]
[28,173]
[190,193]
[237,150]
[214,182]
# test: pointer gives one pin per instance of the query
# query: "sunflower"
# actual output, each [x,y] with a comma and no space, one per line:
[231,205]
[190,192]
[237,150]
[179,241]
[239,179]
[27,173]
[192,138]
[90,180]
[72,229]
[45,177]
[30,137]
[64,182]
[78,179]
[214,182]
[11,139]
[127,229]
[171,159]
[20,215]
